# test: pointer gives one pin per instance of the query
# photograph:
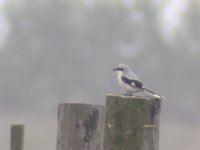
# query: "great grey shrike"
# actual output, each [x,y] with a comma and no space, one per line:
[129,81]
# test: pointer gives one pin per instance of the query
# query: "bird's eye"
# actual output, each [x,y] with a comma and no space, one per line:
[121,69]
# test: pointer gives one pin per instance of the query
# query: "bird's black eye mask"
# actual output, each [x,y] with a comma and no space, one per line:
[118,69]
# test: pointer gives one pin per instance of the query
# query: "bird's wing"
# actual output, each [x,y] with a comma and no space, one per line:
[132,76]
[132,82]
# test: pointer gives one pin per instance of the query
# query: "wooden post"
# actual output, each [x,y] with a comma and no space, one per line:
[131,123]
[17,137]
[80,127]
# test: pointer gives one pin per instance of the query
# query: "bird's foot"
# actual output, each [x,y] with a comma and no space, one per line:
[128,94]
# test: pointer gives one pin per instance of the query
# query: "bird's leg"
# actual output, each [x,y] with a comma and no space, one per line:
[127,94]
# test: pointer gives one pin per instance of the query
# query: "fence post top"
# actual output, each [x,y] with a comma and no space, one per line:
[136,97]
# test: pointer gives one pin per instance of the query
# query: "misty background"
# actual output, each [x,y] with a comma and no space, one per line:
[54,51]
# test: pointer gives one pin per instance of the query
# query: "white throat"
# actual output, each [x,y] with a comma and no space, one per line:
[119,73]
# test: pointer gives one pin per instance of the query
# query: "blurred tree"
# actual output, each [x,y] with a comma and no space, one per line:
[189,35]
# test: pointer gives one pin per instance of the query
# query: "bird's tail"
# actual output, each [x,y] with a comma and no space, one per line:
[152,92]
[149,91]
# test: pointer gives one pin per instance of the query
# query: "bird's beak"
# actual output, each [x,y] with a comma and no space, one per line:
[115,69]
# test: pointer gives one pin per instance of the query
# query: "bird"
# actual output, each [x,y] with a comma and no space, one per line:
[129,81]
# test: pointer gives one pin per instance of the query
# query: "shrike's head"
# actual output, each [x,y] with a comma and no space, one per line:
[122,68]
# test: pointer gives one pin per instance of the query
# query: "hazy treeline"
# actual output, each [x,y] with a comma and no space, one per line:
[59,50]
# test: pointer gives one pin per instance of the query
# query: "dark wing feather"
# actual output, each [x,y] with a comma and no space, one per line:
[132,82]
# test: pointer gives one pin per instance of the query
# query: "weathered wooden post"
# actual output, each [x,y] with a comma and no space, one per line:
[80,127]
[131,123]
[17,137]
